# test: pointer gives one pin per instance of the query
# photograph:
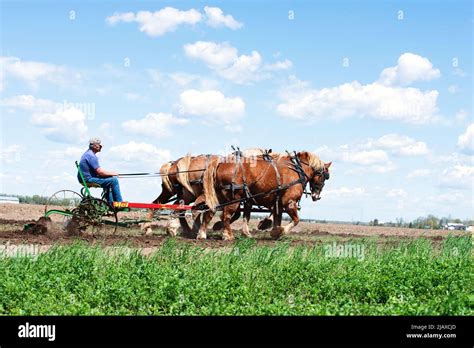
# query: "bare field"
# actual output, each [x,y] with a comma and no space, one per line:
[13,217]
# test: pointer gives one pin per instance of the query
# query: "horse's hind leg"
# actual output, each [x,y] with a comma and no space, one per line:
[245,226]
[277,213]
[219,225]
[227,214]
[207,217]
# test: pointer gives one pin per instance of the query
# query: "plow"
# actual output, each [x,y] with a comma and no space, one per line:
[81,211]
[271,184]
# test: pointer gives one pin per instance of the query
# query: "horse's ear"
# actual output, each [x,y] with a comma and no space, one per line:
[269,150]
[327,165]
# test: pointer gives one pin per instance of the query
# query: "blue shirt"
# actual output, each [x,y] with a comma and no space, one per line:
[89,164]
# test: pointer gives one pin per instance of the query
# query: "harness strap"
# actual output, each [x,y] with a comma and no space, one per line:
[234,175]
[283,187]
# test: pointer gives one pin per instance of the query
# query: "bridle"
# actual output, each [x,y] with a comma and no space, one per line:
[304,178]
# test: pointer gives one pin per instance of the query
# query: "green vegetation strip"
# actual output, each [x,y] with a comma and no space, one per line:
[411,278]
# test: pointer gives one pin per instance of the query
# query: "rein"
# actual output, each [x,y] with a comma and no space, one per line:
[134,175]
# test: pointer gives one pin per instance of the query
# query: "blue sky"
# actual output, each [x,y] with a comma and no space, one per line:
[384,90]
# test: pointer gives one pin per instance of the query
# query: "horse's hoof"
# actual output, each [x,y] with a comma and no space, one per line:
[265,224]
[201,236]
[226,237]
[148,231]
[218,226]
[276,232]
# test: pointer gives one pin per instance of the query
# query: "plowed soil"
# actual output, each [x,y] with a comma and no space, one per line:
[13,217]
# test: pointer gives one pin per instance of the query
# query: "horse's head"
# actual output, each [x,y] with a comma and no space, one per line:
[317,172]
[316,181]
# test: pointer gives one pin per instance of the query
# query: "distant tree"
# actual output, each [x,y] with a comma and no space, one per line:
[376,222]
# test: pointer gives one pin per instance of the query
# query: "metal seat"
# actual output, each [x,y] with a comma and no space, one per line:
[91,184]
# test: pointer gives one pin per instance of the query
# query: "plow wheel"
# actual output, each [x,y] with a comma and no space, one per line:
[93,214]
[66,201]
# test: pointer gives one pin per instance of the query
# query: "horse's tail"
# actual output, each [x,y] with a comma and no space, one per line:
[164,176]
[209,182]
[183,175]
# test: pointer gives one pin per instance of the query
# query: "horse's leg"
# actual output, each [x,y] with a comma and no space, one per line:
[266,222]
[292,209]
[245,226]
[163,197]
[219,225]
[186,199]
[227,214]
[207,217]
[277,213]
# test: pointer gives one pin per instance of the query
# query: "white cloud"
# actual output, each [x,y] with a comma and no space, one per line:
[64,125]
[410,68]
[400,145]
[453,89]
[134,97]
[169,19]
[214,55]
[154,125]
[224,59]
[234,128]
[348,154]
[216,18]
[141,155]
[187,80]
[459,72]
[466,140]
[34,72]
[373,100]
[280,65]
[30,103]
[245,68]
[62,157]
[452,197]
[461,116]
[344,192]
[11,153]
[374,160]
[458,176]
[374,153]
[183,79]
[212,105]
[61,122]
[399,195]
[418,173]
[157,23]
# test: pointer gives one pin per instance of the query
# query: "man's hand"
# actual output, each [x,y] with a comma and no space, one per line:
[105,174]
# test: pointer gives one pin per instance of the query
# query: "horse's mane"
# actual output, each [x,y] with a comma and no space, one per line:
[183,175]
[313,160]
[164,176]
[257,151]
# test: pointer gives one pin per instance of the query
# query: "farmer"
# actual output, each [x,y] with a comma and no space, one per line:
[94,173]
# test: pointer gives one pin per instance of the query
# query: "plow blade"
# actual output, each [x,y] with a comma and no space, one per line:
[38,227]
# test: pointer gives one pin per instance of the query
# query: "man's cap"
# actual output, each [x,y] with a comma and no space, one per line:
[93,141]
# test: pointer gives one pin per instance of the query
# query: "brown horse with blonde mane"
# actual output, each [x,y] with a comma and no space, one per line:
[182,182]
[277,184]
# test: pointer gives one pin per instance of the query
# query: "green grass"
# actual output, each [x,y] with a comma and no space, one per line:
[411,278]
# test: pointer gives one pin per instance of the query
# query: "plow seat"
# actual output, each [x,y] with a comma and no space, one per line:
[91,184]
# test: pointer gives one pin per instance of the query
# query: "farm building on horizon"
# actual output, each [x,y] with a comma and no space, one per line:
[9,199]
[454,226]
